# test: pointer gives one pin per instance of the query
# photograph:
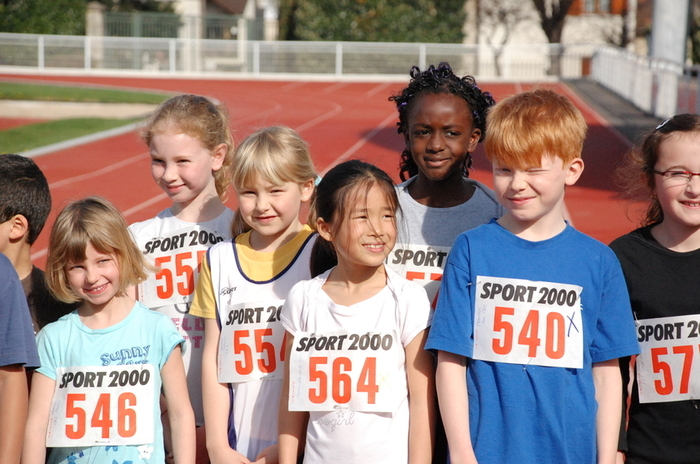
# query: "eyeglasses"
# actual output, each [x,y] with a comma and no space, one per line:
[677,177]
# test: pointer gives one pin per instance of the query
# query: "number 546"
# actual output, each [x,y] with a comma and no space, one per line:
[101,416]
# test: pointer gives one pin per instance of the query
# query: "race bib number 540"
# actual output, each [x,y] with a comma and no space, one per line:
[525,322]
[102,406]
[346,370]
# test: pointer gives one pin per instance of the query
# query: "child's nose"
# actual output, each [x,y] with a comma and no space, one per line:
[693,185]
[91,275]
[262,203]
[518,181]
[170,172]
[436,143]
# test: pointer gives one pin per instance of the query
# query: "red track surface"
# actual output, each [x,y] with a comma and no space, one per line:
[339,120]
[9,123]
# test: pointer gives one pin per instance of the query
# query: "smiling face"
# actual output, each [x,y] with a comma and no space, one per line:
[273,211]
[439,135]
[534,196]
[368,232]
[95,280]
[679,200]
[184,168]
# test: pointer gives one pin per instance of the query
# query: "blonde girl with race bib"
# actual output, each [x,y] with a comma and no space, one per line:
[661,263]
[242,287]
[358,384]
[191,151]
[103,366]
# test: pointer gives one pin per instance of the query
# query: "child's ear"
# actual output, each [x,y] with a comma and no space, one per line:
[218,155]
[323,229]
[307,189]
[19,227]
[474,139]
[574,171]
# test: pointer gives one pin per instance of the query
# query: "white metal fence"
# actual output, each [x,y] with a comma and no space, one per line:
[659,87]
[50,53]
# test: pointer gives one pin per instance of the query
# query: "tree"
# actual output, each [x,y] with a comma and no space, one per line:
[43,16]
[552,16]
[498,20]
[373,20]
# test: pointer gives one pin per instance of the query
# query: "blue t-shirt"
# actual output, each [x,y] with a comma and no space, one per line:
[143,337]
[17,345]
[526,413]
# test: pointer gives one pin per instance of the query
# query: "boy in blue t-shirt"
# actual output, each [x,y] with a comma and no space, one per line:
[534,313]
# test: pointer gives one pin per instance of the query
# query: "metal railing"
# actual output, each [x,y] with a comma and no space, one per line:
[165,25]
[659,87]
[50,53]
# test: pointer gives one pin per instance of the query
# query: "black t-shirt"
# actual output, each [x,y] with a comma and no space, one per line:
[43,307]
[661,283]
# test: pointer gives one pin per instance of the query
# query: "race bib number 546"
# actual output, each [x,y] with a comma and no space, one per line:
[102,406]
[525,322]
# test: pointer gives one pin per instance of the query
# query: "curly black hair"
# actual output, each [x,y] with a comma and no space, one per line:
[440,80]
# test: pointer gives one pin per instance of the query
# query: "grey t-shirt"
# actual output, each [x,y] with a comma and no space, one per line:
[426,234]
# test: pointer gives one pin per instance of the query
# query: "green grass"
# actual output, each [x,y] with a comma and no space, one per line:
[19,139]
[15,91]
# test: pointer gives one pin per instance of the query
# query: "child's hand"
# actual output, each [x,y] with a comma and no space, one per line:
[268,456]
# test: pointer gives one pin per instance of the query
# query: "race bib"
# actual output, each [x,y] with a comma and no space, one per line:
[360,372]
[519,321]
[252,343]
[421,263]
[94,406]
[666,367]
[177,257]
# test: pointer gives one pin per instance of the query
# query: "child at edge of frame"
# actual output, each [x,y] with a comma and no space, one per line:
[661,263]
[533,315]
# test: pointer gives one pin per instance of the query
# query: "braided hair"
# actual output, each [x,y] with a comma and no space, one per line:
[439,80]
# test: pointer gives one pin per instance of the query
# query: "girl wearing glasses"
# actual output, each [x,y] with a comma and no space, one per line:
[661,263]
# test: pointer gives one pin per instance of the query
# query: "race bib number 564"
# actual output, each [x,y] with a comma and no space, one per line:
[346,370]
[102,406]
[525,322]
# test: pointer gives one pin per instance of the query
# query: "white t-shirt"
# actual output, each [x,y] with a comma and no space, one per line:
[176,247]
[345,435]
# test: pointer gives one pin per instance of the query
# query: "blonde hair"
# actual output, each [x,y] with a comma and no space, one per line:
[96,221]
[200,118]
[275,154]
[523,128]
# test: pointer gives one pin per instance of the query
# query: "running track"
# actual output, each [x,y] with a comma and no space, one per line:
[339,120]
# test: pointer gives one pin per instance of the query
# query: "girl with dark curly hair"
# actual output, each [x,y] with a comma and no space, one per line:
[442,117]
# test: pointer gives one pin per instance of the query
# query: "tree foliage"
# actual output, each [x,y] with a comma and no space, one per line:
[43,16]
[373,20]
